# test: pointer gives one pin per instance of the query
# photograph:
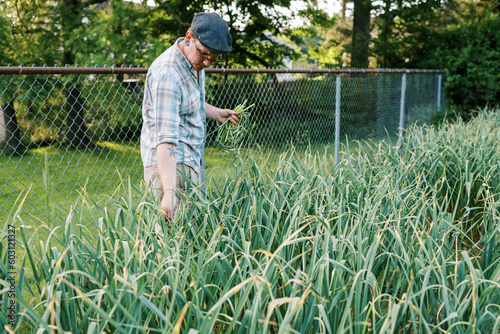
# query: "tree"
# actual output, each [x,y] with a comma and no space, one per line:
[361,33]
[114,32]
[458,36]
[470,54]
[401,25]
[117,33]
[70,16]
[5,42]
[23,40]
[247,20]
[318,38]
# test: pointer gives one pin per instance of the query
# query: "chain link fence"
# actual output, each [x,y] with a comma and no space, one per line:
[68,133]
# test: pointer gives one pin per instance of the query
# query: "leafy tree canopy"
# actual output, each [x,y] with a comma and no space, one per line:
[458,36]
[117,32]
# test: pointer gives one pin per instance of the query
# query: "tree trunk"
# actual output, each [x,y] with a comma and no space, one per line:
[387,21]
[3,128]
[344,9]
[12,133]
[76,134]
[361,33]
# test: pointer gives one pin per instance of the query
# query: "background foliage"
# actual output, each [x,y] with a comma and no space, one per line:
[460,36]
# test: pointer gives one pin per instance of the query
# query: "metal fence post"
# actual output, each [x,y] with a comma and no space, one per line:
[337,119]
[439,93]
[402,111]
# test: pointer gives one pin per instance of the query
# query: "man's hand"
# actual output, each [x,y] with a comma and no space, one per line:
[221,115]
[169,203]
[228,114]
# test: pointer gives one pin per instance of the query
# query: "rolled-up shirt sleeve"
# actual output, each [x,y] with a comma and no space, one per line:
[166,109]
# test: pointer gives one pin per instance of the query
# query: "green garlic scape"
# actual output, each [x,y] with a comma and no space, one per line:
[230,135]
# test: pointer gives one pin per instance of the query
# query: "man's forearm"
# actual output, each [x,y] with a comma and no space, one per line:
[211,112]
[167,168]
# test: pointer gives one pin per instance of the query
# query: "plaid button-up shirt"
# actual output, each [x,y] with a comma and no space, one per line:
[173,110]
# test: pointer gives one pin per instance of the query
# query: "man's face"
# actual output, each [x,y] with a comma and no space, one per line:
[198,56]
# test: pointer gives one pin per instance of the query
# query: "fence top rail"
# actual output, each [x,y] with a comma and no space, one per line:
[20,70]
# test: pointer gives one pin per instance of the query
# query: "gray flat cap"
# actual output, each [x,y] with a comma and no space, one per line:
[212,32]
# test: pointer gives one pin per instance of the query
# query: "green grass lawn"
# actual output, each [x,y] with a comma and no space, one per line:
[53,178]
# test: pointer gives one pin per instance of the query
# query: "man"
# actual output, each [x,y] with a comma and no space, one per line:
[174,110]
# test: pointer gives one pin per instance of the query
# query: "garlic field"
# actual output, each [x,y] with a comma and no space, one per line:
[389,240]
